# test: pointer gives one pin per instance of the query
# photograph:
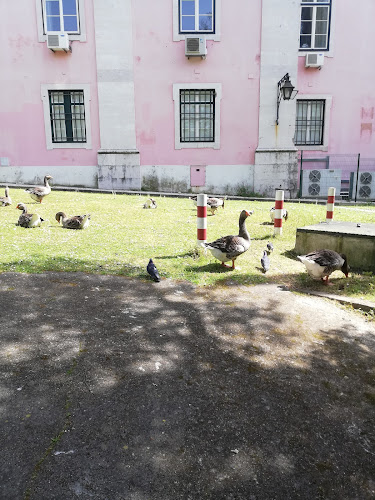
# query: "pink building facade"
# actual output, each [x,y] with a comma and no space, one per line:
[182,95]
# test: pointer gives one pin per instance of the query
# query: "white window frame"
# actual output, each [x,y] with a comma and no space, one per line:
[176,98]
[42,35]
[209,36]
[45,88]
[327,120]
[314,4]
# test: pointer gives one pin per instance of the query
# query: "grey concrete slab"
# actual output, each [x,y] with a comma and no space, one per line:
[115,389]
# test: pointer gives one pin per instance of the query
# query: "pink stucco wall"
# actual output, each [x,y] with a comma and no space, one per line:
[160,62]
[28,64]
[349,77]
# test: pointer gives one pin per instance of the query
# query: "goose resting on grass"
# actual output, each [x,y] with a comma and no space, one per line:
[37,193]
[26,219]
[75,222]
[230,247]
[321,264]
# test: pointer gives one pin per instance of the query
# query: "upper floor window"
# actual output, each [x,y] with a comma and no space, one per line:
[315,24]
[61,15]
[197,16]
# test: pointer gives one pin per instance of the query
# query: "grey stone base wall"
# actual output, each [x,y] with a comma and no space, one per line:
[276,169]
[119,170]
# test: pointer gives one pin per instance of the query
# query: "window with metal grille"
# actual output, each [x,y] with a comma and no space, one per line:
[309,122]
[61,15]
[197,115]
[315,24]
[197,16]
[67,113]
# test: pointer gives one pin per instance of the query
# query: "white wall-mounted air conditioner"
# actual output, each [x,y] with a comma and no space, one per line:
[195,46]
[58,40]
[314,60]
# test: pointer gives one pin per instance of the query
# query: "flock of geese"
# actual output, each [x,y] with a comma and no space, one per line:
[319,264]
[38,193]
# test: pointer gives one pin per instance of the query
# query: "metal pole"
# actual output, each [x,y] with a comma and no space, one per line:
[330,204]
[201,219]
[279,209]
[356,182]
[300,177]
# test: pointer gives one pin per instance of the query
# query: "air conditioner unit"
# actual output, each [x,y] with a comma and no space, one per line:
[314,60]
[315,183]
[366,185]
[58,40]
[195,46]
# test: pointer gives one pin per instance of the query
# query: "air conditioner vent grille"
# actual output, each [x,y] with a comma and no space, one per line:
[53,40]
[192,44]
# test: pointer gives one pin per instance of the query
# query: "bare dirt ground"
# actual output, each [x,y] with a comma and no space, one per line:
[114,389]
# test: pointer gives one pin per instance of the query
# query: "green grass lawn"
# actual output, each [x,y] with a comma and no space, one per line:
[122,237]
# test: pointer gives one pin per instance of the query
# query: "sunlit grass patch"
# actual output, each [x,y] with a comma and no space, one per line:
[123,236]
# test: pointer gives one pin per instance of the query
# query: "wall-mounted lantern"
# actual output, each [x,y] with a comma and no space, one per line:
[285,90]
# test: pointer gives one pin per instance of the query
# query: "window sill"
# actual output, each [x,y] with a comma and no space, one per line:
[197,145]
[312,148]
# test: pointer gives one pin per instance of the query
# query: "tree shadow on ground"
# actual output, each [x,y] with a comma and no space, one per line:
[114,388]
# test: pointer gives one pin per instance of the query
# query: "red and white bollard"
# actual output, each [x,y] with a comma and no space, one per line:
[201,219]
[330,204]
[279,207]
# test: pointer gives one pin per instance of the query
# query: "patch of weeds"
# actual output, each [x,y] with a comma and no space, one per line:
[370,396]
[53,442]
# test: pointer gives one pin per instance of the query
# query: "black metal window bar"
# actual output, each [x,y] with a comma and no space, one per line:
[67,113]
[309,123]
[197,115]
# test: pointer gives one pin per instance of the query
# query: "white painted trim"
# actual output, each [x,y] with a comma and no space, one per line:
[216,37]
[42,36]
[45,87]
[327,120]
[176,98]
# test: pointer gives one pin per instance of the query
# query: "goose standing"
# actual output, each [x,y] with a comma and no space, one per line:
[5,200]
[37,193]
[230,247]
[321,264]
[212,203]
[75,222]
[26,219]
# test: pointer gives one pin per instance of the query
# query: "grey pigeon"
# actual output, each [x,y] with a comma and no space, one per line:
[269,247]
[152,271]
[265,261]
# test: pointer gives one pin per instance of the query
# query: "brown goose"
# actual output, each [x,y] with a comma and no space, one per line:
[75,222]
[26,219]
[5,200]
[37,193]
[230,247]
[212,203]
[321,264]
